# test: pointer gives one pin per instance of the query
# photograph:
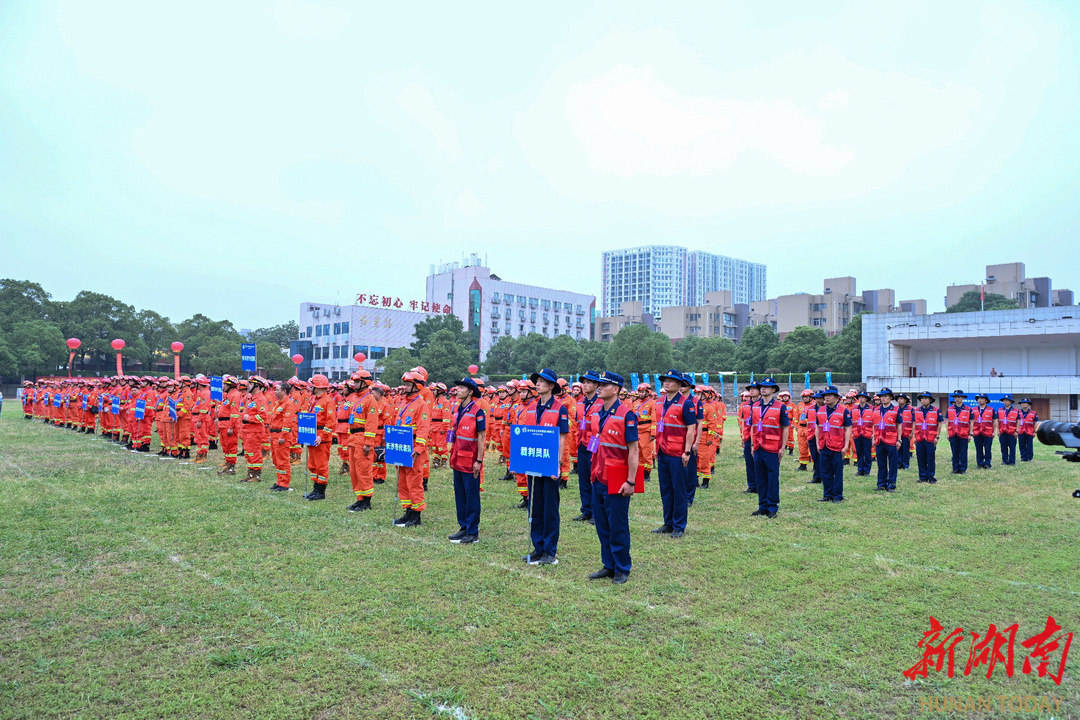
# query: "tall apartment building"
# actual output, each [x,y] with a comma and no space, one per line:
[1010,280]
[631,313]
[833,309]
[491,307]
[660,276]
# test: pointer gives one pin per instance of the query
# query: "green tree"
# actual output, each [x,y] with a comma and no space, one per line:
[9,362]
[21,301]
[710,355]
[752,352]
[844,354]
[38,346]
[97,320]
[563,355]
[274,360]
[593,355]
[804,348]
[157,334]
[970,302]
[500,357]
[280,335]
[636,348]
[445,358]
[425,330]
[216,355]
[394,365]
[680,354]
[529,352]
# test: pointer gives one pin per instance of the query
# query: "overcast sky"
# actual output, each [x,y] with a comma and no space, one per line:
[237,158]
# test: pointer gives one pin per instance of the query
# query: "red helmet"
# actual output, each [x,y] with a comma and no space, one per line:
[361,376]
[807,392]
[320,381]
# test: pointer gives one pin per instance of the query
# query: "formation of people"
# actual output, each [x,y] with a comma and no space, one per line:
[602,425]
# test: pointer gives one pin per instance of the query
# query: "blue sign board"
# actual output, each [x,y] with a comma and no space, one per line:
[100,403]
[85,399]
[995,401]
[115,410]
[399,445]
[140,409]
[534,450]
[634,382]
[216,389]
[172,409]
[247,357]
[56,400]
[305,428]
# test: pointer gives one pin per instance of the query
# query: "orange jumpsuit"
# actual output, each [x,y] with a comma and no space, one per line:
[415,414]
[282,435]
[164,423]
[253,428]
[440,425]
[363,430]
[571,438]
[518,412]
[707,447]
[201,419]
[318,459]
[184,404]
[341,429]
[803,435]
[228,421]
[644,410]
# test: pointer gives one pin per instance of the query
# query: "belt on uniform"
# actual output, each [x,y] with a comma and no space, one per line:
[250,422]
[353,431]
[277,430]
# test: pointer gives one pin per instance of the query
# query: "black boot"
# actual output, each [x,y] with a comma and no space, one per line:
[364,504]
[648,473]
[508,476]
[524,504]
[400,522]
[562,484]
[414,520]
[705,483]
[213,444]
[318,492]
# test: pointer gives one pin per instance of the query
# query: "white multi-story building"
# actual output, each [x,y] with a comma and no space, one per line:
[1031,352]
[330,335]
[491,307]
[660,276]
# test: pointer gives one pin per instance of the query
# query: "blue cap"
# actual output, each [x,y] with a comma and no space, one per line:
[469,383]
[819,394]
[676,376]
[958,393]
[926,394]
[590,375]
[545,374]
[829,390]
[754,384]
[1007,396]
[610,378]
[885,391]
[1026,400]
[768,382]
[982,395]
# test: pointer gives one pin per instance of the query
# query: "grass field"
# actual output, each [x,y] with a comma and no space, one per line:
[139,588]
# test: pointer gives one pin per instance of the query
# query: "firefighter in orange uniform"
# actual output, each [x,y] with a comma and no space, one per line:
[802,413]
[363,430]
[318,464]
[644,409]
[282,430]
[345,400]
[526,394]
[416,414]
[571,437]
[440,424]
[253,427]
[228,420]
[202,418]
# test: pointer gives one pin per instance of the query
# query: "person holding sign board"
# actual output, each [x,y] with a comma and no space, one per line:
[615,478]
[414,414]
[466,439]
[318,454]
[363,426]
[543,493]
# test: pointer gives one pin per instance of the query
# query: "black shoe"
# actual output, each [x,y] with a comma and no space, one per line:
[278,488]
[801,468]
[932,481]
[591,521]
[748,491]
[676,534]
[508,476]
[705,484]
[364,504]
[379,481]
[457,536]
[523,505]
[546,559]
[815,481]
[837,500]
[620,578]
[533,557]
[759,512]
[414,520]
[317,493]
[468,540]
[890,489]
[824,499]
[847,461]
[602,573]
[663,529]
[770,515]
[213,444]
[400,522]
[574,469]
[879,489]
[583,517]
[648,473]
[790,451]
[562,484]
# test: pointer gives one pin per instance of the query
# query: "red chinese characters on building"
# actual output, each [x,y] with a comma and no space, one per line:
[1047,651]
[396,302]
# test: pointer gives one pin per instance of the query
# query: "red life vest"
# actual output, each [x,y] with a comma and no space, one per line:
[671,430]
[549,418]
[906,416]
[463,451]
[1007,421]
[766,425]
[959,422]
[862,421]
[612,437]
[885,424]
[984,421]
[833,431]
[744,420]
[1027,422]
[926,424]
[586,410]
[810,418]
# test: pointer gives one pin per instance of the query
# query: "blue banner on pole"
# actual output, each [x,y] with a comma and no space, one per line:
[828,378]
[56,400]
[751,377]
[523,377]
[140,409]
[85,400]
[634,381]
[721,386]
[100,403]
[693,380]
[534,450]
[305,428]
[399,445]
[115,410]
[248,363]
[704,378]
[172,409]
[790,387]
[807,380]
[659,384]
[217,389]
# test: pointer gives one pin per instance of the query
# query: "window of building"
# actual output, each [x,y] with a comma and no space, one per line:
[557,306]
[308,331]
[545,318]
[337,328]
[377,353]
[507,328]
[359,349]
[318,331]
[556,320]
[545,304]
[495,297]
[326,329]
[345,328]
[521,329]
[532,316]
